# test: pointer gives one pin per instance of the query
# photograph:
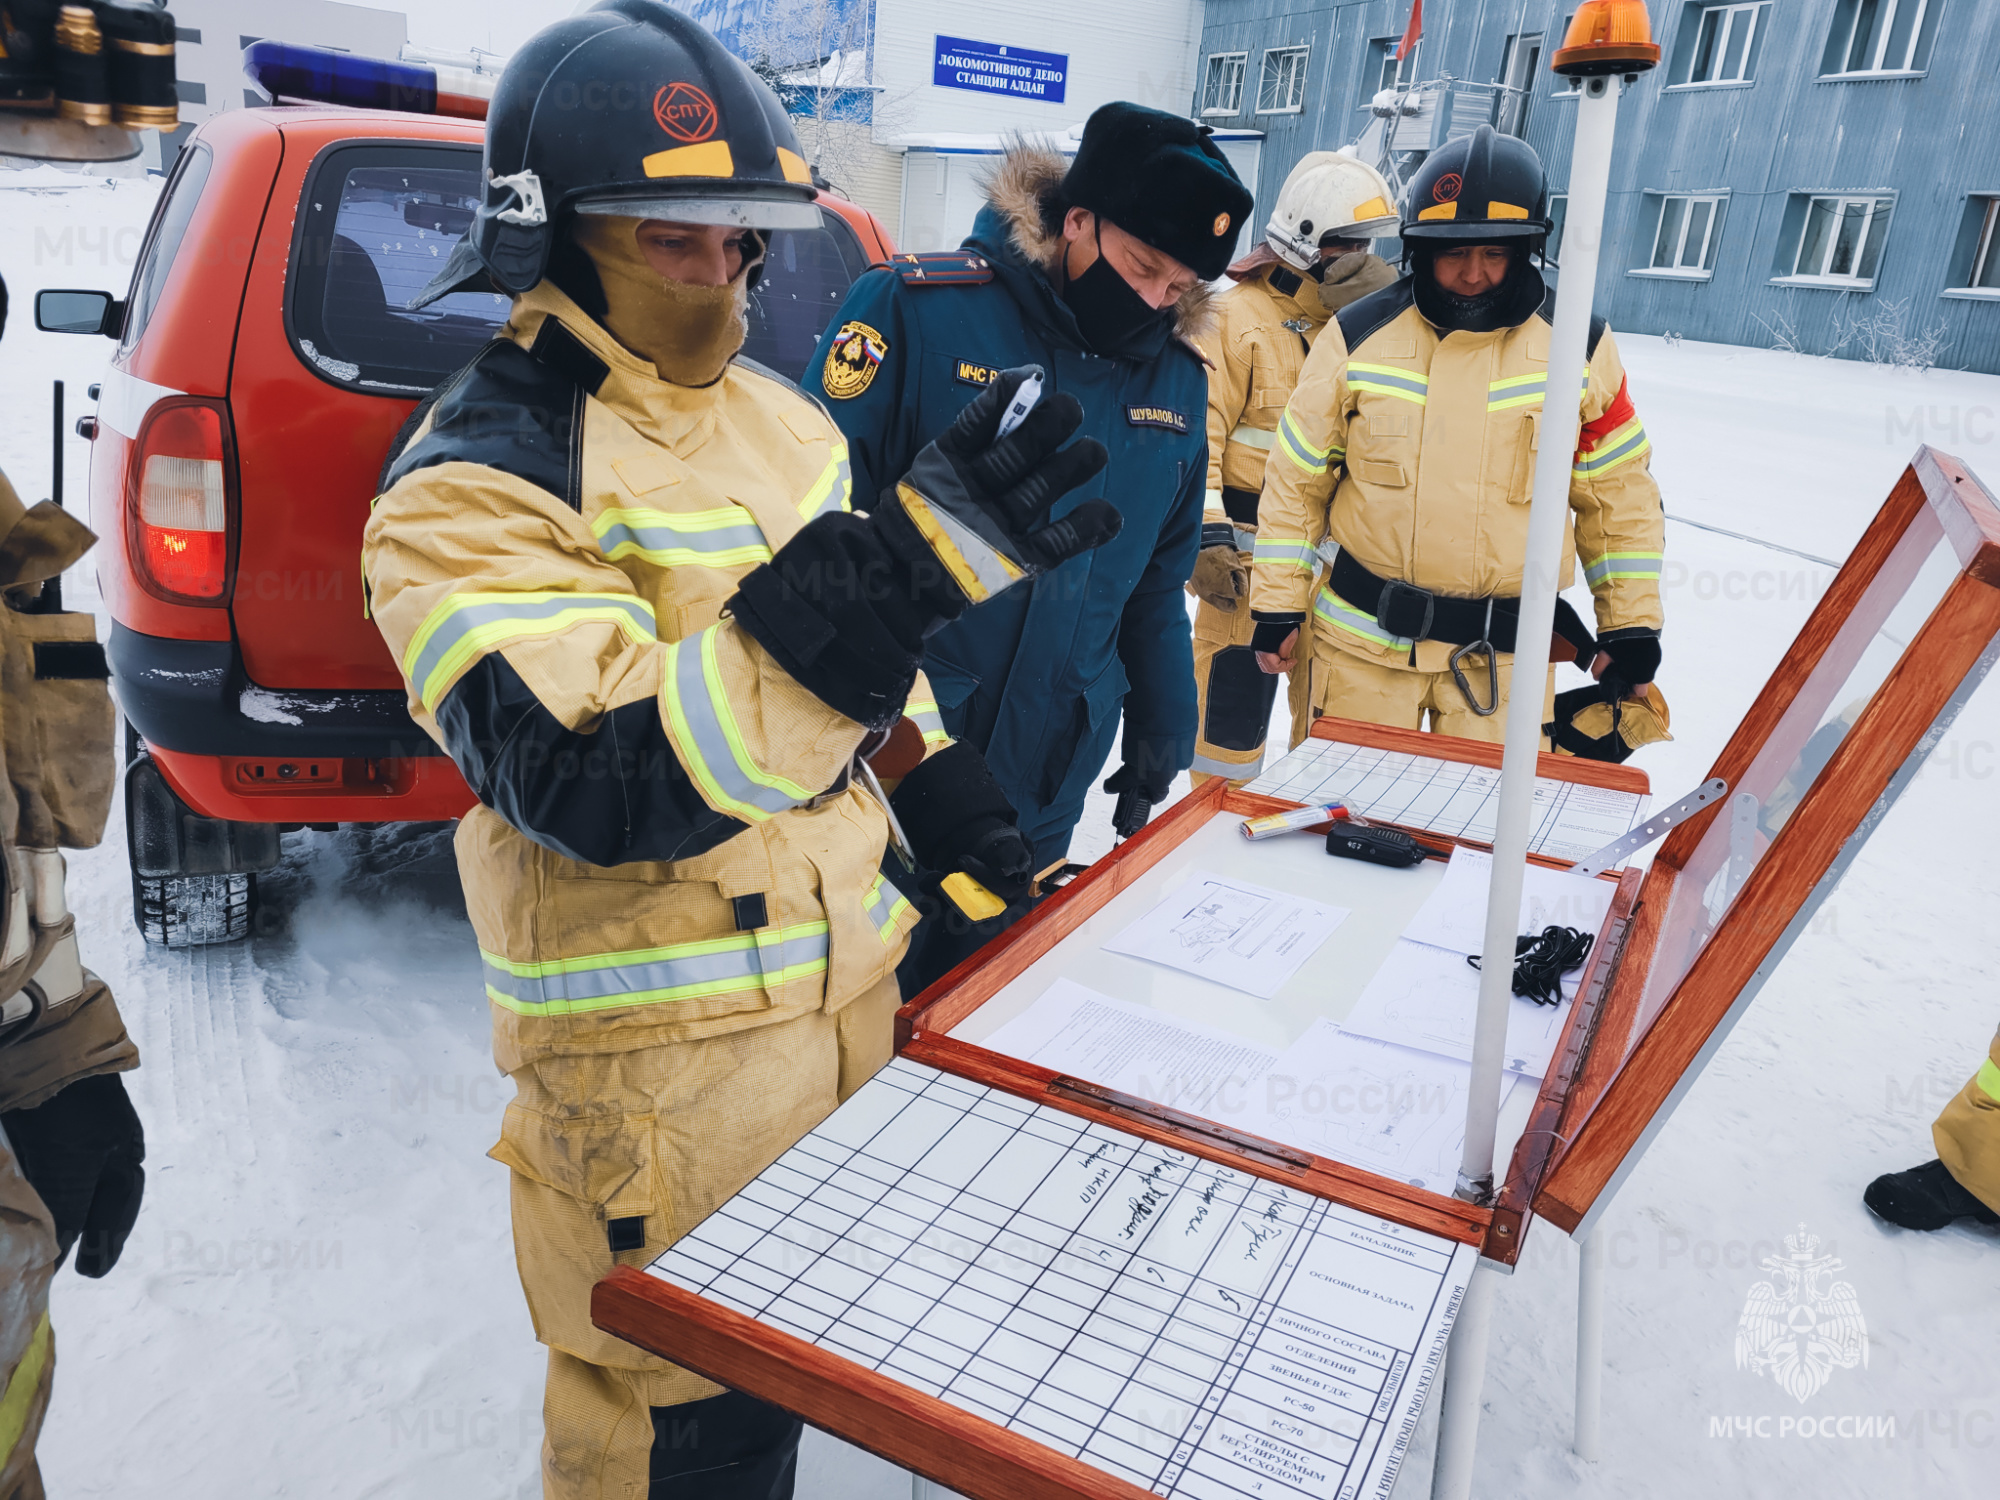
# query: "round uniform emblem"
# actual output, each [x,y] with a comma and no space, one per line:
[852,359]
[1447,188]
[685,112]
[1221,225]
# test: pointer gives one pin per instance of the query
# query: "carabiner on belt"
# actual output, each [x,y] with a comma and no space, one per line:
[1472,648]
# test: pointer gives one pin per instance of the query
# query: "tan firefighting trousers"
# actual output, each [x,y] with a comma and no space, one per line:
[1232,696]
[1967,1134]
[1347,686]
[27,1347]
[666,1133]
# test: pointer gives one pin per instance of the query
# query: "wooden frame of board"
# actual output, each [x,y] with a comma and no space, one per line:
[1625,1055]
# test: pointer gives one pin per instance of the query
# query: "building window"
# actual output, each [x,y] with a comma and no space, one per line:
[1385,71]
[1975,262]
[191,92]
[1558,215]
[1222,85]
[1690,229]
[1720,43]
[1281,90]
[1880,36]
[1517,74]
[1565,85]
[1839,241]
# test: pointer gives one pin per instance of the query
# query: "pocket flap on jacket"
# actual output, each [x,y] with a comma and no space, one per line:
[1386,473]
[950,683]
[1106,692]
[605,1160]
[645,473]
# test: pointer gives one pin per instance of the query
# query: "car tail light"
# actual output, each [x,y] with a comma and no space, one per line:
[180,489]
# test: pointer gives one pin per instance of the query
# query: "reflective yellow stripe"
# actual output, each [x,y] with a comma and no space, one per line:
[1524,390]
[1387,380]
[648,976]
[1282,552]
[929,721]
[1624,445]
[705,733]
[720,538]
[1338,613]
[1253,437]
[978,570]
[1988,1079]
[467,626]
[1302,453]
[21,1388]
[833,490]
[1621,565]
[885,906]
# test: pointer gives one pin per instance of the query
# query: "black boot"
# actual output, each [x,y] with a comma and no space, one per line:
[729,1447]
[1926,1197]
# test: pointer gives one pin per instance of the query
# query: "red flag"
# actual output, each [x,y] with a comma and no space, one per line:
[1412,33]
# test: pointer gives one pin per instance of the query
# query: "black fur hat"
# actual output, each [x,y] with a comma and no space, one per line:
[1160,178]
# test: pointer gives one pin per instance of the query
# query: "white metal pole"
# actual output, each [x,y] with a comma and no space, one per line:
[1464,1384]
[1589,178]
[1589,1346]
[1589,181]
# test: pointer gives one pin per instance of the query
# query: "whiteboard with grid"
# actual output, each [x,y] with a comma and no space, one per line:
[1190,1328]
[1448,796]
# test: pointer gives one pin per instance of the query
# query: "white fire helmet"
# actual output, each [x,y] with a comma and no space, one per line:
[1328,193]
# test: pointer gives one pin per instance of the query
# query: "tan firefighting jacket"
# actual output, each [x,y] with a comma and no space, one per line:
[1256,348]
[1416,454]
[679,493]
[58,1021]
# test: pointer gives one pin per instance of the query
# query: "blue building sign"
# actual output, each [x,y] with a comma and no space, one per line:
[986,68]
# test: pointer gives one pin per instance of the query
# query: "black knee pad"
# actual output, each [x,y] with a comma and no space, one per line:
[729,1447]
[1240,695]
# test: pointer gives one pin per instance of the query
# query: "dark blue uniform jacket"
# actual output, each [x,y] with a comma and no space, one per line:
[1036,677]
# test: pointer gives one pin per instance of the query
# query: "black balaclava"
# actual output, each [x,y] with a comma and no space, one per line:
[1114,320]
[1508,304]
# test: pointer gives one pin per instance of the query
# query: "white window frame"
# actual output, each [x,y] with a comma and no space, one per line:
[1987,257]
[1211,73]
[1296,104]
[1727,16]
[1679,268]
[1515,105]
[1392,74]
[1881,208]
[1881,65]
[1566,87]
[1552,251]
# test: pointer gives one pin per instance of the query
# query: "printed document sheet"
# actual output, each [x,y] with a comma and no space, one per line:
[1449,797]
[1454,914]
[1135,1049]
[1429,997]
[1248,937]
[1197,1331]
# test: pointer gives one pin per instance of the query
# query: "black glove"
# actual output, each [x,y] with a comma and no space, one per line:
[82,1151]
[1139,792]
[972,516]
[845,605]
[1635,658]
[957,818]
[1271,632]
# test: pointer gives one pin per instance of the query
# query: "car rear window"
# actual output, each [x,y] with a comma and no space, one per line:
[170,226]
[805,276]
[376,224]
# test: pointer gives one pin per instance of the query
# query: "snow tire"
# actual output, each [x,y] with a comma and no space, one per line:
[192,911]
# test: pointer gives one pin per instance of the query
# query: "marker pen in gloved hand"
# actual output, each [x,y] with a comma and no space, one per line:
[1024,402]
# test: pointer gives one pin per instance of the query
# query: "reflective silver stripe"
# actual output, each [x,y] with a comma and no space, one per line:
[687,971]
[1624,565]
[833,490]
[1280,552]
[1228,770]
[1260,438]
[1627,442]
[1337,612]
[884,903]
[929,722]
[469,625]
[672,539]
[985,563]
[698,707]
[1389,381]
[1246,541]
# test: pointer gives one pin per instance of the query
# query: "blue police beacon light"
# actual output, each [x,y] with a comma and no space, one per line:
[280,70]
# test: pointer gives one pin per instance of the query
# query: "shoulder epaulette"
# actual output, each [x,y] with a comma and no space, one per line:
[1372,313]
[1547,313]
[942,268]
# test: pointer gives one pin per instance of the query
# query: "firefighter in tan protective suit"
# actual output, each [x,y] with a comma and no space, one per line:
[71,1155]
[1963,1181]
[1315,260]
[1394,517]
[621,572]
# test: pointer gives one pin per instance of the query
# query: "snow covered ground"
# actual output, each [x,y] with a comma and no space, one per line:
[320,1300]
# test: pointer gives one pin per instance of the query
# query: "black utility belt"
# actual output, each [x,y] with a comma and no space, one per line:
[1406,610]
